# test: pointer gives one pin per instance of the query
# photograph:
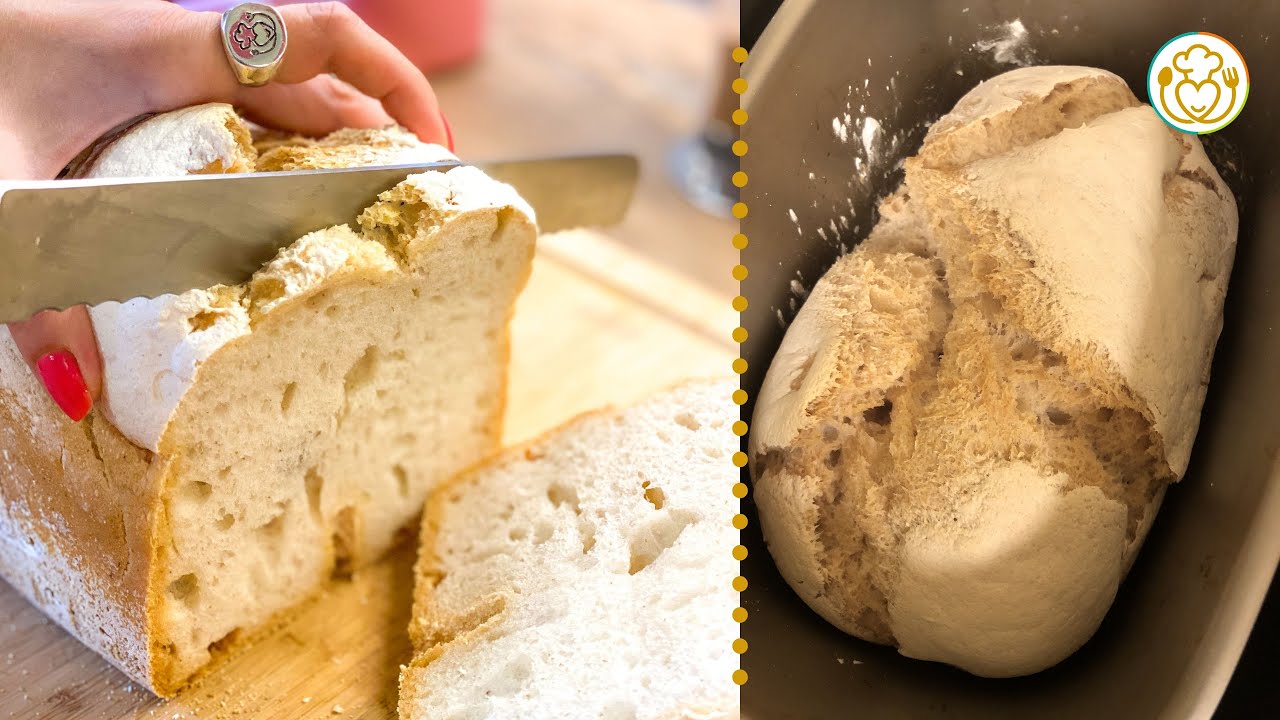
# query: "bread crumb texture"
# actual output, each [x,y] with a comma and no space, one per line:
[254,440]
[587,574]
[969,426]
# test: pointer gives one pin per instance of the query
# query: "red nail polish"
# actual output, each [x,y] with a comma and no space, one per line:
[448,131]
[61,375]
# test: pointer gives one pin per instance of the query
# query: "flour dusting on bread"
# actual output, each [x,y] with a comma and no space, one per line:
[254,440]
[969,426]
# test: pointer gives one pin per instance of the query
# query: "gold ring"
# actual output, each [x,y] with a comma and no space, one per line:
[254,38]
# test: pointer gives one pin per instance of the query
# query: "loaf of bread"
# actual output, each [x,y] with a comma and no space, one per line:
[586,575]
[969,427]
[254,440]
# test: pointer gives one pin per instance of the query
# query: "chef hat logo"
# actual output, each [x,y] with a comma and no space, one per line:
[1197,63]
[1198,82]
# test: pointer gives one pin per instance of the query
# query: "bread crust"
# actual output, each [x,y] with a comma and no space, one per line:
[75,517]
[971,483]
[84,524]
[201,139]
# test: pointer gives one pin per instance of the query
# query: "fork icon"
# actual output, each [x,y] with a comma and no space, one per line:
[1231,78]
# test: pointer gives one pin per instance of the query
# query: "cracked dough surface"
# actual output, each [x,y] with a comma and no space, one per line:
[968,428]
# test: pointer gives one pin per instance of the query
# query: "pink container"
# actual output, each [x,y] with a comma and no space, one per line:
[434,34]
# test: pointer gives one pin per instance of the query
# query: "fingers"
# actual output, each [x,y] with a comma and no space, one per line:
[62,350]
[323,39]
[330,38]
[315,107]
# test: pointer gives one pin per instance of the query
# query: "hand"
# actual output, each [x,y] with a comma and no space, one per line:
[74,70]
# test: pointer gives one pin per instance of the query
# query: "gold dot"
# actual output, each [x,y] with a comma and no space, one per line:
[739,272]
[739,54]
[740,396]
[740,614]
[739,179]
[740,459]
[739,428]
[740,646]
[739,85]
[739,490]
[740,210]
[740,521]
[740,584]
[739,117]
[740,676]
[739,303]
[740,366]
[739,147]
[740,335]
[740,553]
[740,242]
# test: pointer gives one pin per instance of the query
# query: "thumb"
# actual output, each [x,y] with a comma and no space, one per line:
[62,350]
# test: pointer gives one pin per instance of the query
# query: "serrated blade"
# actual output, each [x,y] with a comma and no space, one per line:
[74,242]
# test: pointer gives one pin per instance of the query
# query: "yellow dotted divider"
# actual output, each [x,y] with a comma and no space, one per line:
[740,364]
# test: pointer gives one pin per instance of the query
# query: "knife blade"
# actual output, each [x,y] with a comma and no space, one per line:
[72,242]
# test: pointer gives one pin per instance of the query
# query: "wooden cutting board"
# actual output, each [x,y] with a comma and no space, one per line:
[597,325]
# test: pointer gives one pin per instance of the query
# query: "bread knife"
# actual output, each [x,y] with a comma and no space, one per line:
[72,242]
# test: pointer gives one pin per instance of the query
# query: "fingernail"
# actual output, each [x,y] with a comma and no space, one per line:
[448,131]
[61,376]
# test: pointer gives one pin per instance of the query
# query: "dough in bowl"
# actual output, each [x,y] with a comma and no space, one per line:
[969,427]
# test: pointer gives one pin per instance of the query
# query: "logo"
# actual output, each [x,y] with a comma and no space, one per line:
[1198,83]
[254,34]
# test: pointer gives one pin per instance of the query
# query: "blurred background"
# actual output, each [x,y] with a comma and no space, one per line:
[531,78]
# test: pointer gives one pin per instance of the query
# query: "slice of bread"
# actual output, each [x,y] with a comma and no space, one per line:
[253,440]
[967,431]
[585,575]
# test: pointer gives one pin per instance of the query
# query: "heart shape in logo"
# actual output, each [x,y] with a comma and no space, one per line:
[263,33]
[1197,99]
[254,34]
